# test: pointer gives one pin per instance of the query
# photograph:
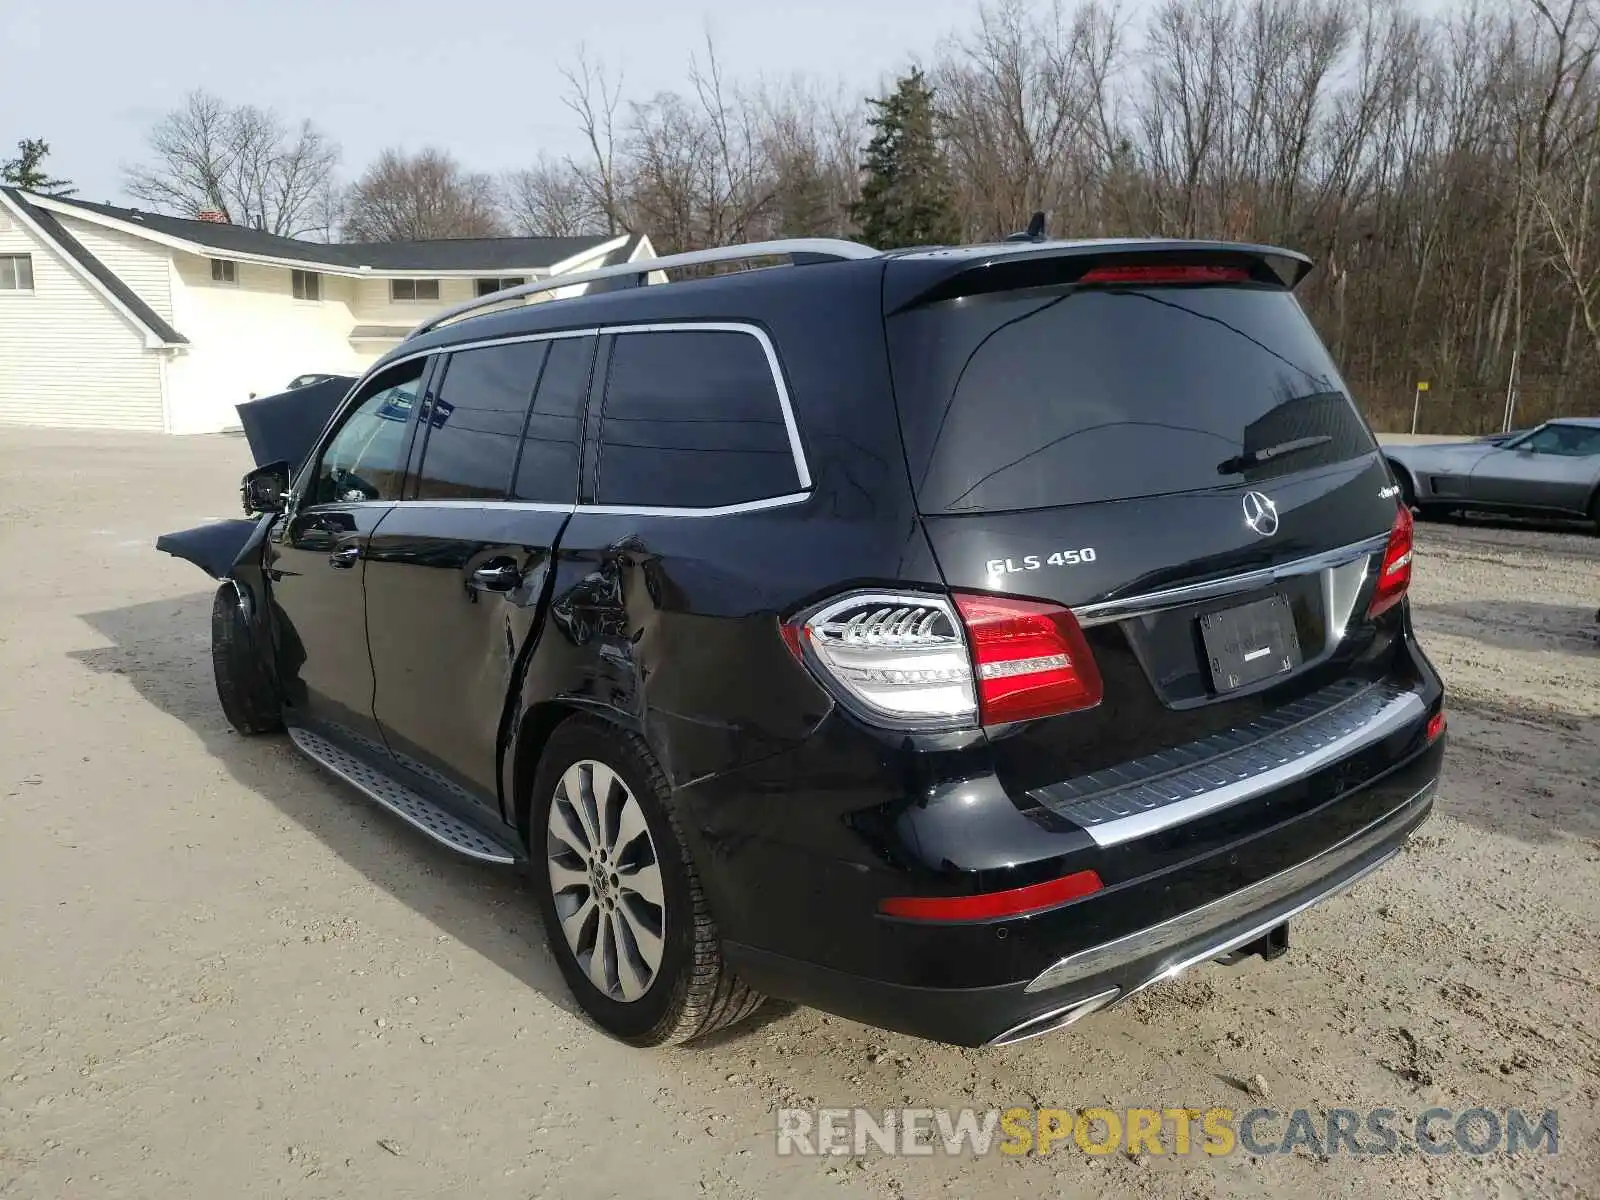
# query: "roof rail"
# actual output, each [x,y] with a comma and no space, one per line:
[799,251]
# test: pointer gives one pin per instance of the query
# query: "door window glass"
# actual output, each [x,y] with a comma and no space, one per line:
[475,422]
[367,458]
[548,469]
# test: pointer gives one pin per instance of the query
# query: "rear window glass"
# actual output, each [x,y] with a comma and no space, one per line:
[1034,399]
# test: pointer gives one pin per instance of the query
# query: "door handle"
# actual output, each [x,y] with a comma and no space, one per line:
[344,556]
[497,578]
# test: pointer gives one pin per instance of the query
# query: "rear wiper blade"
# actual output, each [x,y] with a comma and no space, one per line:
[1254,458]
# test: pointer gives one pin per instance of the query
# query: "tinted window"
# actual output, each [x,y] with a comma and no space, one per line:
[692,420]
[475,422]
[367,458]
[1030,399]
[548,469]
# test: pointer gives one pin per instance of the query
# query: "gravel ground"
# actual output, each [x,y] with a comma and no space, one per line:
[223,974]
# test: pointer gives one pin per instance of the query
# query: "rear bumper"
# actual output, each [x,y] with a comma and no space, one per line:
[1096,976]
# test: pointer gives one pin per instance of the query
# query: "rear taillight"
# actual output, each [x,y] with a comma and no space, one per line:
[1031,658]
[912,661]
[1155,273]
[1394,576]
[901,658]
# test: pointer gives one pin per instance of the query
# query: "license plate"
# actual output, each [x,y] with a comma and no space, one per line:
[1250,643]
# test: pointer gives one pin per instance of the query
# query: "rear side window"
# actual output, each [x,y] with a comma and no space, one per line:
[692,419]
[475,422]
[548,469]
[1022,400]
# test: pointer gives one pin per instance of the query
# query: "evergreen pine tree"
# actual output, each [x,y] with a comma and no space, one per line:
[25,171]
[906,193]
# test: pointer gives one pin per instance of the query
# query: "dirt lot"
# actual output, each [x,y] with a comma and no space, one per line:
[224,975]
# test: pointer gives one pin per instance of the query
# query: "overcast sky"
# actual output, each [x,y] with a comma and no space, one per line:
[479,77]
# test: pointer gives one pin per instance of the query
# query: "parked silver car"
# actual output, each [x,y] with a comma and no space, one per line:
[1552,470]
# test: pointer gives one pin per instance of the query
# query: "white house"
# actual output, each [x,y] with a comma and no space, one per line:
[124,319]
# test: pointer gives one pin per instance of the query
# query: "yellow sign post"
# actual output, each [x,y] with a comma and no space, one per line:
[1416,403]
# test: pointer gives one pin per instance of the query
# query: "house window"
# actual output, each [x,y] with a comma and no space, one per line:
[224,271]
[485,286]
[307,285]
[413,289]
[16,272]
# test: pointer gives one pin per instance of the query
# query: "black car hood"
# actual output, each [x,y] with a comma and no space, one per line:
[284,427]
[280,428]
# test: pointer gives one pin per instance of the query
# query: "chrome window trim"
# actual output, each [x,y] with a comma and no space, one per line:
[802,470]
[485,343]
[1104,612]
[774,367]
[608,510]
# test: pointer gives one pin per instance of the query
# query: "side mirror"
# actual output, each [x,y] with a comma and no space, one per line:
[266,489]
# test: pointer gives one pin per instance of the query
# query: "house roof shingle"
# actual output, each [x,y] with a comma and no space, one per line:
[443,254]
[108,279]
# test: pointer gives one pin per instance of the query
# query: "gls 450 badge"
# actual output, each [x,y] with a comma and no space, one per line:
[1035,562]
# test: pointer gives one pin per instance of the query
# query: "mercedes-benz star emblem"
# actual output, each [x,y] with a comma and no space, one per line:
[1260,513]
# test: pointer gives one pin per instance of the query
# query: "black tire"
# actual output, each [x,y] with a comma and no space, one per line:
[693,993]
[1594,511]
[1402,477]
[244,685]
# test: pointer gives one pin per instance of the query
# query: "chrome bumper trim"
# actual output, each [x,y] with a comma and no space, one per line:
[1171,788]
[1276,898]
[1104,612]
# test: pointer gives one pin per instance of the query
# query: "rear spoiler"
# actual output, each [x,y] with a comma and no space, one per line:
[927,276]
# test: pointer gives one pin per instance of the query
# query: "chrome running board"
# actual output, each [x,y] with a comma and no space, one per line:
[414,809]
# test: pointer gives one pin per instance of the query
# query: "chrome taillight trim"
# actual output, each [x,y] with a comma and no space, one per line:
[902,627]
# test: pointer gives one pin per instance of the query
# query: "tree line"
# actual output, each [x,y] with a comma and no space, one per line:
[1440,167]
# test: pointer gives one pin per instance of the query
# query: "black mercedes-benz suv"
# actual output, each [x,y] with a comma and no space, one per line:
[957,639]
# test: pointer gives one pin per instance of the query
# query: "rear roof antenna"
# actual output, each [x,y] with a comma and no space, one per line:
[1034,232]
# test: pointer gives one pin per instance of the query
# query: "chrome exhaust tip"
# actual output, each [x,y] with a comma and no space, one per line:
[1056,1018]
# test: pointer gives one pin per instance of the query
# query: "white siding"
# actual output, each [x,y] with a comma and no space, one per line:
[373,306]
[251,336]
[140,264]
[66,356]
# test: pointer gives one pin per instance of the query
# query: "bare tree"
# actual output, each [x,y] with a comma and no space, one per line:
[405,197]
[1441,166]
[593,98]
[552,199]
[240,161]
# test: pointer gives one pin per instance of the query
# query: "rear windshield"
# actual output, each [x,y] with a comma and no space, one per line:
[1021,400]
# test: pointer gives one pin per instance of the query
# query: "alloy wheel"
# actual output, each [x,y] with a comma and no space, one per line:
[606,880]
